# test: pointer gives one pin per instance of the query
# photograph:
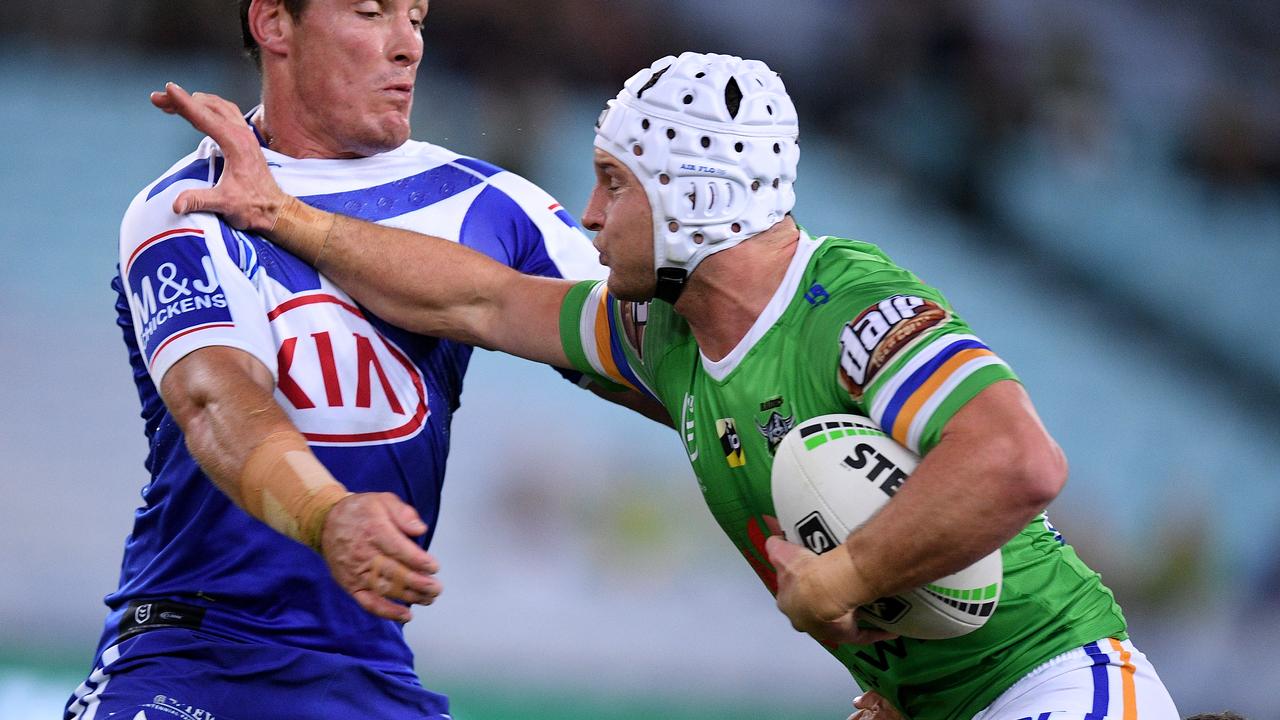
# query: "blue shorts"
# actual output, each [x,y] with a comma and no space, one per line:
[181,674]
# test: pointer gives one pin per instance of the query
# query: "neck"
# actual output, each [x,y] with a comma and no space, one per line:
[729,290]
[283,123]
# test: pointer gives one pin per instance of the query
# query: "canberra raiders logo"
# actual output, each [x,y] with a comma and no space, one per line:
[774,421]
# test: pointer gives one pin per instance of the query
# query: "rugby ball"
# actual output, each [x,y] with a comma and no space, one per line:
[830,475]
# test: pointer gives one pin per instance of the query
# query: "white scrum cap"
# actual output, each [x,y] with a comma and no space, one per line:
[712,138]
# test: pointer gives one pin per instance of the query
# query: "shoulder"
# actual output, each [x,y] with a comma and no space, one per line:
[525,194]
[848,280]
[151,229]
[201,167]
[896,346]
[848,264]
[547,240]
[152,208]
[854,285]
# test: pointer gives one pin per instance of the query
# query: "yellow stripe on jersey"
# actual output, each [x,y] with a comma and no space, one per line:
[597,337]
[1128,691]
[929,389]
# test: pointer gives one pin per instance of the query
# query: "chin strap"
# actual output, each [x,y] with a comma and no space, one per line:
[670,284]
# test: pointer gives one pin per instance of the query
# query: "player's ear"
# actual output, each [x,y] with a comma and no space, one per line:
[271,25]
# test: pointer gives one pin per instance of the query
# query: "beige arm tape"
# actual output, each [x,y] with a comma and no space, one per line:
[285,486]
[834,586]
[306,228]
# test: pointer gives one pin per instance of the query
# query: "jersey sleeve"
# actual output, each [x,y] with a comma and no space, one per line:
[519,224]
[594,330]
[908,362]
[186,282]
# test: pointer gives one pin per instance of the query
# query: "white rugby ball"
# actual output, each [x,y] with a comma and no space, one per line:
[830,475]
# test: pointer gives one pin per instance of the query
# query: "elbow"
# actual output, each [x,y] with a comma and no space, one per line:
[1033,472]
[1041,473]
[1046,474]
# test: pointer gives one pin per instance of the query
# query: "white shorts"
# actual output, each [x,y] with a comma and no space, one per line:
[1108,679]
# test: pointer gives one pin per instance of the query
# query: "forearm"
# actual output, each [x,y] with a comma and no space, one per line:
[247,446]
[427,284]
[953,511]
[424,284]
[992,471]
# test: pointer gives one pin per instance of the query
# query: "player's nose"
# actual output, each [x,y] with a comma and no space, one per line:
[404,47]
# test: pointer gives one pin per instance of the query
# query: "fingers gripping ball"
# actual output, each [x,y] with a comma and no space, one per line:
[833,473]
[286,487]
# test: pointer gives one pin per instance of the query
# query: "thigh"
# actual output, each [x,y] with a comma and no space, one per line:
[181,675]
[1108,679]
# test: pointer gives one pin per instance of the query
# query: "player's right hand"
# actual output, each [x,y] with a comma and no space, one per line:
[811,590]
[368,543]
[246,195]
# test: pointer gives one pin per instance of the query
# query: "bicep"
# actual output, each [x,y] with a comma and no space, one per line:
[1002,409]
[1001,431]
[208,374]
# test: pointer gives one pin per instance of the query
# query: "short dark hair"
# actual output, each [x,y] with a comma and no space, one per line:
[293,7]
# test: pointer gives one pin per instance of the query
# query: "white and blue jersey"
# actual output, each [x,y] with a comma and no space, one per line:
[375,402]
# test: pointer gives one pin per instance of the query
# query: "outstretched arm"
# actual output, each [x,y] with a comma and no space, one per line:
[418,282]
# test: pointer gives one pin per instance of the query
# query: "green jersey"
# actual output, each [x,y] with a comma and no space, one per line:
[847,331]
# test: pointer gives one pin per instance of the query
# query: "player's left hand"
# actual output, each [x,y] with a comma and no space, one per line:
[812,598]
[246,195]
[369,543]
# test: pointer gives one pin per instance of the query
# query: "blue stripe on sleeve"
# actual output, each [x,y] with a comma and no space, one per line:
[615,348]
[397,197]
[197,170]
[919,377]
[251,251]
[1101,693]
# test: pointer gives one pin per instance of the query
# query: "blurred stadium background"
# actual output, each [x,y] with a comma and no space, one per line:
[1095,185]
